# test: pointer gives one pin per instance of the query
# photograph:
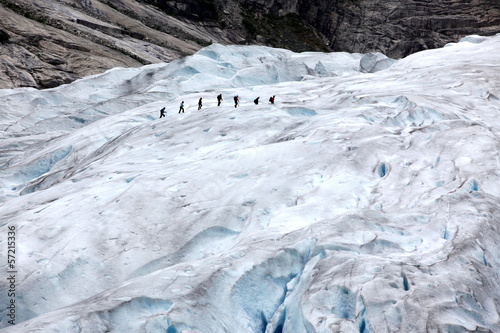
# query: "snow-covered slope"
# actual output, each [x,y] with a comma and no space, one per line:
[356,203]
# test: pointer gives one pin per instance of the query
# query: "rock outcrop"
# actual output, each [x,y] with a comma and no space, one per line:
[46,43]
[399,28]
[394,28]
[50,43]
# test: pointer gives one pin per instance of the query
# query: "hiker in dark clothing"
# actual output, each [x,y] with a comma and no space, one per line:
[236,101]
[181,107]
[271,99]
[162,113]
[200,104]
[219,99]
[256,101]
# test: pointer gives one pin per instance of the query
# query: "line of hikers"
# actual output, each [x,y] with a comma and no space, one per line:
[219,101]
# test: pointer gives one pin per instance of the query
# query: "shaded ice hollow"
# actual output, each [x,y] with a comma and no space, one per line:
[365,199]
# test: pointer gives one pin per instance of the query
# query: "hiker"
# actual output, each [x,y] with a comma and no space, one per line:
[181,108]
[271,99]
[200,104]
[236,101]
[256,101]
[162,113]
[219,99]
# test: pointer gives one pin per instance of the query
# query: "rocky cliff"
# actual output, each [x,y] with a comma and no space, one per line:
[393,27]
[399,28]
[45,43]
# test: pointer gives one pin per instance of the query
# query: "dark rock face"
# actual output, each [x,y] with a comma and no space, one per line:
[45,43]
[399,28]
[395,28]
[4,36]
[199,10]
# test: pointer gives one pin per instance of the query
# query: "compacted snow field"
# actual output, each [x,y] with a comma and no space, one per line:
[365,199]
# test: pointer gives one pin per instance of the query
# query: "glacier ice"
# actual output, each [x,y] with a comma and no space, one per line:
[360,201]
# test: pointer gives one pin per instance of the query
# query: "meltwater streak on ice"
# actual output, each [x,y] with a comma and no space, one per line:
[355,203]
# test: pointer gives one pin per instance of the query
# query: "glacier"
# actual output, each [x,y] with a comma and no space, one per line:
[365,199]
